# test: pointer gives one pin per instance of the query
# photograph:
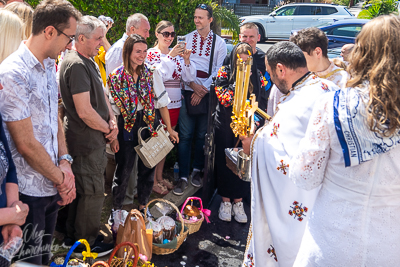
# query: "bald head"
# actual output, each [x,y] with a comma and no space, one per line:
[346,50]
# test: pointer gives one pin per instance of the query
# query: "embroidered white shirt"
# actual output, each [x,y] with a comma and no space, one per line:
[30,91]
[201,51]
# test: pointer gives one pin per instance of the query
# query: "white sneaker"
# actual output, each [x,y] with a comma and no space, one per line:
[225,211]
[238,212]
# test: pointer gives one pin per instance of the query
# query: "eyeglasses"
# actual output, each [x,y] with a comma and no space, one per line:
[167,34]
[204,7]
[69,37]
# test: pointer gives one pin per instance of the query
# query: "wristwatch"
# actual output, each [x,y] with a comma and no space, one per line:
[67,157]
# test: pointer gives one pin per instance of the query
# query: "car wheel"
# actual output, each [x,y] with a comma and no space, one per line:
[261,31]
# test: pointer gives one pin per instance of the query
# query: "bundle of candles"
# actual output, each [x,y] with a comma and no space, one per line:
[243,109]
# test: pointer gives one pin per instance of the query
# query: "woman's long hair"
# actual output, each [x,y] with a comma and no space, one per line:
[11,33]
[25,13]
[161,26]
[127,51]
[242,48]
[375,60]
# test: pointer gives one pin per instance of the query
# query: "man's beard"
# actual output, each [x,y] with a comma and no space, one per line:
[280,84]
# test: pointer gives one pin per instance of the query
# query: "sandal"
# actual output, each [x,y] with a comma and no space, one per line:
[167,184]
[160,189]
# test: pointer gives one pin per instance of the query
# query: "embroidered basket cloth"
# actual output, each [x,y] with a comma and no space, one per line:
[152,150]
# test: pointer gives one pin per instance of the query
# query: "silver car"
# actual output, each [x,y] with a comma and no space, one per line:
[279,23]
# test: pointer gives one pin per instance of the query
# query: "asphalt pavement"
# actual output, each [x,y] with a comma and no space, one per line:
[218,243]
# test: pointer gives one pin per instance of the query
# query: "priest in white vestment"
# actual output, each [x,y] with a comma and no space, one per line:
[279,210]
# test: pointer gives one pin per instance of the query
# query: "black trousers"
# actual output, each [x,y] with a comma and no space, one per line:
[38,229]
[125,158]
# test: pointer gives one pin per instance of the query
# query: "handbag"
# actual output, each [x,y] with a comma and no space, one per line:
[152,150]
[202,107]
[134,231]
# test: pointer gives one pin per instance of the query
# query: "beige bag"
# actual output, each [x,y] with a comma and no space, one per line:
[154,149]
[134,231]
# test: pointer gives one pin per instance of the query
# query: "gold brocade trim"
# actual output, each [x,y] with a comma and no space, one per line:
[330,74]
[249,237]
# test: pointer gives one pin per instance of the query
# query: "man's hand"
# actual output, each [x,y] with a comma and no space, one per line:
[246,142]
[20,211]
[10,231]
[195,99]
[114,146]
[69,178]
[112,135]
[67,197]
[198,89]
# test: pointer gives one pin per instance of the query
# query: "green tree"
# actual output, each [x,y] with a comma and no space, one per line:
[377,8]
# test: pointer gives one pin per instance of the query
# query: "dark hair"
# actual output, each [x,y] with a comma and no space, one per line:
[3,2]
[206,8]
[127,51]
[53,13]
[286,53]
[310,38]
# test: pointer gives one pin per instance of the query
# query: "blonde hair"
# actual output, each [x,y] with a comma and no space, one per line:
[375,60]
[25,13]
[161,26]
[11,33]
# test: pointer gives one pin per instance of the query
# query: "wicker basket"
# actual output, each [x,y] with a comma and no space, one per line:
[193,226]
[85,254]
[128,261]
[182,236]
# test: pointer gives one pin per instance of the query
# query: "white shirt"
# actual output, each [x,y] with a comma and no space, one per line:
[30,91]
[172,71]
[201,56]
[114,55]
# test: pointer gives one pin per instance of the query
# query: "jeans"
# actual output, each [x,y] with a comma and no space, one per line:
[125,159]
[189,126]
[84,213]
[38,229]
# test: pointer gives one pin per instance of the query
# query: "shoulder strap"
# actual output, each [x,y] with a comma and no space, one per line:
[212,55]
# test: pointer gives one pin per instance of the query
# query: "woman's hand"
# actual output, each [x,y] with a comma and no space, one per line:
[186,55]
[177,50]
[173,136]
[19,212]
[114,146]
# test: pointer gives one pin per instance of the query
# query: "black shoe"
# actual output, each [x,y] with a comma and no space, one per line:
[111,218]
[68,242]
[196,179]
[99,239]
[102,249]
[180,187]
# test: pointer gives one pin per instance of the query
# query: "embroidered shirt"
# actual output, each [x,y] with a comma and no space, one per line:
[30,91]
[335,74]
[172,71]
[114,55]
[201,50]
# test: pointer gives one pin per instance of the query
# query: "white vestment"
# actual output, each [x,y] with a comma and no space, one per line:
[335,74]
[279,210]
[355,220]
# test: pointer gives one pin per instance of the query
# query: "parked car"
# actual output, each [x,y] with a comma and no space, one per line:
[279,23]
[341,32]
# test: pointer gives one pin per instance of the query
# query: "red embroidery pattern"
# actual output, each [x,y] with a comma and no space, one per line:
[225,97]
[249,260]
[208,41]
[271,251]
[153,57]
[283,167]
[275,130]
[298,211]
[324,86]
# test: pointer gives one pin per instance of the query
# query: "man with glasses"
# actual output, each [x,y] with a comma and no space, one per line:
[201,42]
[28,105]
[90,125]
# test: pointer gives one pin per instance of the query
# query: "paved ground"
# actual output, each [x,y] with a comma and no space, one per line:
[215,244]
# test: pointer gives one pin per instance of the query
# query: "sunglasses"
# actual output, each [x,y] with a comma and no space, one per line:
[71,39]
[167,34]
[204,7]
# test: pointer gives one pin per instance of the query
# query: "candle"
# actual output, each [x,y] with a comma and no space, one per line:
[235,99]
[248,64]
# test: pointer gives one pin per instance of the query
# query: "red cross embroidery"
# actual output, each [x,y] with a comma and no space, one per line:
[275,130]
[283,167]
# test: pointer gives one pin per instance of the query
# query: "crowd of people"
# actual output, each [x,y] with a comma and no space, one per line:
[324,189]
